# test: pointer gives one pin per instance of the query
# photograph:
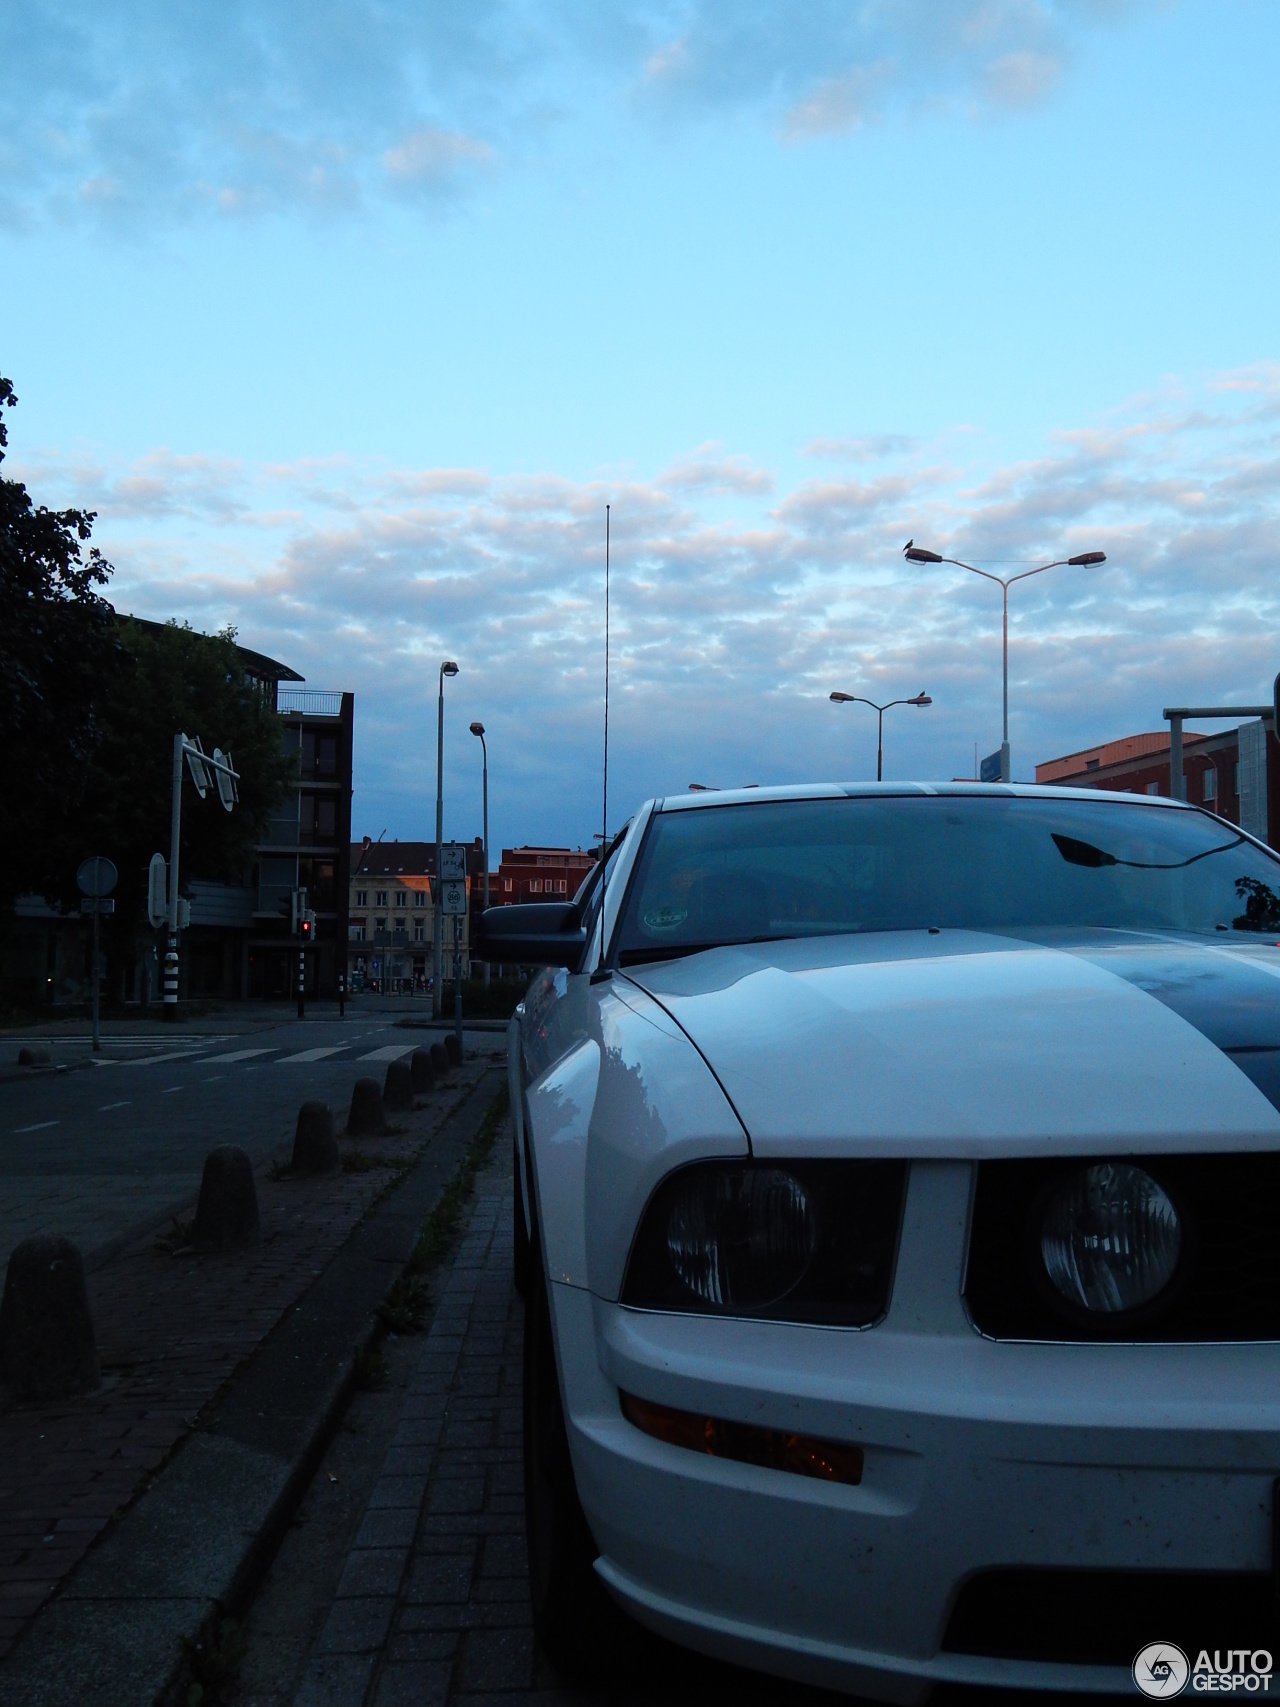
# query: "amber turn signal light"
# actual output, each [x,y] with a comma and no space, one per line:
[772,1448]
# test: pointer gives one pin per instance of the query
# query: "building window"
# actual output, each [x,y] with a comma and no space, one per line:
[1153,788]
[419,897]
[1092,764]
[402,900]
[1210,785]
[401,922]
[362,897]
[380,925]
[356,930]
[419,930]
[506,884]
[1235,780]
[380,900]
[535,886]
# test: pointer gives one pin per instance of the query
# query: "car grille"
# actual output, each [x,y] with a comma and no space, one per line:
[1086,1617]
[1228,1284]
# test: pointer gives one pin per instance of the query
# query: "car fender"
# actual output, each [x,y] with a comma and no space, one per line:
[657,1106]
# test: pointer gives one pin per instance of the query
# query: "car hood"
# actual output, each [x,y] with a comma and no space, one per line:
[966,1044]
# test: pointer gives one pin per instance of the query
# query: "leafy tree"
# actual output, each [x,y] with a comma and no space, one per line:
[89,704]
[58,647]
[172,679]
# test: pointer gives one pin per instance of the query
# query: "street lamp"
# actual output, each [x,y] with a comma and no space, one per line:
[448,668]
[921,698]
[477,729]
[917,554]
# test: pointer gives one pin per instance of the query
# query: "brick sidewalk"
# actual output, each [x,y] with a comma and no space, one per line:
[435,1592]
[171,1330]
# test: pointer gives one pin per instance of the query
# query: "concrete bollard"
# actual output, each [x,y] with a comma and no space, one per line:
[366,1118]
[227,1213]
[439,1058]
[420,1071]
[46,1332]
[397,1087]
[31,1055]
[453,1048]
[315,1149]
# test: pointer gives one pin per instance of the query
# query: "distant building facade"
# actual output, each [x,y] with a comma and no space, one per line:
[539,874]
[307,846]
[1235,773]
[391,916]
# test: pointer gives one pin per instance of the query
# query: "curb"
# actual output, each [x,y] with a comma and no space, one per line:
[194,1545]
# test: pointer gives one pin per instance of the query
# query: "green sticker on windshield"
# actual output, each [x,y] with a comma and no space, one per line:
[666,918]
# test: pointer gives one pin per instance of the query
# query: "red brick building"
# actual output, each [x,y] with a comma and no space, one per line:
[539,874]
[1235,773]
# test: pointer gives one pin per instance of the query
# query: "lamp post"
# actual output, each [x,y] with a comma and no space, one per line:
[921,698]
[917,554]
[448,668]
[477,729]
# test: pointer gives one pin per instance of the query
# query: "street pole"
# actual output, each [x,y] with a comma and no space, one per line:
[1085,559]
[477,729]
[302,973]
[175,829]
[1005,775]
[97,1040]
[920,699]
[448,668]
[457,979]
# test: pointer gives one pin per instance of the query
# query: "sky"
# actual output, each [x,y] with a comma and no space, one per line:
[349,320]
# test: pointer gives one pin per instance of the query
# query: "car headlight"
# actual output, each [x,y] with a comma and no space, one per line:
[809,1241]
[1110,1238]
[741,1238]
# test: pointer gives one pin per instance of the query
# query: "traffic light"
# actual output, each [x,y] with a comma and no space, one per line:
[308,929]
[297,911]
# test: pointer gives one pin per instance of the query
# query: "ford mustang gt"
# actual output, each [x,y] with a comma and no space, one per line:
[898,1214]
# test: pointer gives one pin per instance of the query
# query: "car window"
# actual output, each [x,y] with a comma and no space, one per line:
[746,873]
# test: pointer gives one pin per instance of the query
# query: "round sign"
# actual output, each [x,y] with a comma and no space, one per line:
[96,876]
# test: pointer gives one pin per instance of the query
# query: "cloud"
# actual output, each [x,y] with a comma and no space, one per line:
[431,157]
[736,606]
[129,112]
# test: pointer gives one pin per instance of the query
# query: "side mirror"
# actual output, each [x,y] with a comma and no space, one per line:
[537,933]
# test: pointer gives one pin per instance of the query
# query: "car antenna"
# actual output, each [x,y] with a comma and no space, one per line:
[601,972]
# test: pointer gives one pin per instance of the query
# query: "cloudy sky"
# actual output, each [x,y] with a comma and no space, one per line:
[349,319]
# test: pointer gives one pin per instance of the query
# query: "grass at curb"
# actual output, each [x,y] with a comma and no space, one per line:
[442,1224]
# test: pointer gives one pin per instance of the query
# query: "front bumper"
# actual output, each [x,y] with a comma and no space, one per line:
[977,1456]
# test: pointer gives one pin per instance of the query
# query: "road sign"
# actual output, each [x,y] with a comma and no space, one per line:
[991,768]
[157,891]
[453,897]
[453,862]
[96,876]
[225,785]
[97,904]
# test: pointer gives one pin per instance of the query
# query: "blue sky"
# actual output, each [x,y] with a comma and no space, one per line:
[350,319]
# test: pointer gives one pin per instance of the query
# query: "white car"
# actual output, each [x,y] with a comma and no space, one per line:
[898,1211]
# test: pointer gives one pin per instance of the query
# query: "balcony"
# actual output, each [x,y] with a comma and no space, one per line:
[311,702]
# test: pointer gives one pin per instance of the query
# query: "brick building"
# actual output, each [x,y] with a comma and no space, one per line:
[539,874]
[1235,773]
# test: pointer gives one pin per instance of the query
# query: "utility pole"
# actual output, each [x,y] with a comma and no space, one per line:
[448,668]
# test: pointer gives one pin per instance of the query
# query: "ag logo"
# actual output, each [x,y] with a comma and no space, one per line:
[1161,1671]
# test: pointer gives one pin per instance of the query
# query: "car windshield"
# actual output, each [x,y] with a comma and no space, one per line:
[713,875]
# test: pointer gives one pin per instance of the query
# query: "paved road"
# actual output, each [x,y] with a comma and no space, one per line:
[116,1144]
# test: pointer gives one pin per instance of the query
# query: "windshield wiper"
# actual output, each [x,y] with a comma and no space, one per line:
[1085,854]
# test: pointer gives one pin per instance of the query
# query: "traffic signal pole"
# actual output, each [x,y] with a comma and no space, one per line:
[175,836]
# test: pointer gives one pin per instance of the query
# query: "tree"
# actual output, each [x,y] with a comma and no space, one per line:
[89,704]
[58,649]
[174,679]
